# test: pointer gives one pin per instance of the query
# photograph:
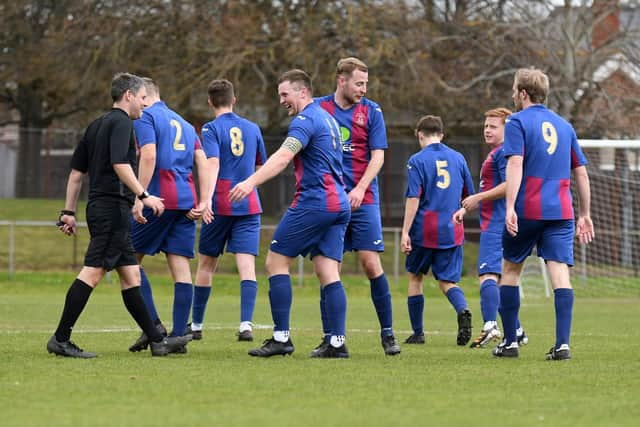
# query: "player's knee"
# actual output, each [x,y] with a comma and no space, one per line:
[371,265]
[274,265]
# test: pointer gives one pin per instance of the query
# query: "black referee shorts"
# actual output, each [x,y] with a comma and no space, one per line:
[109,226]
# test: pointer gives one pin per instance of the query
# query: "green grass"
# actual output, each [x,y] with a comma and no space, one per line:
[216,383]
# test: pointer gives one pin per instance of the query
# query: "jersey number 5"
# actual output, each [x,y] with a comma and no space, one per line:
[177,145]
[237,144]
[550,136]
[441,166]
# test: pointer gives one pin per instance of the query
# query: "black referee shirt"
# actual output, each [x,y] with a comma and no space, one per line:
[108,140]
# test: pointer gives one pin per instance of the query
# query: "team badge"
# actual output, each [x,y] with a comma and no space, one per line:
[359,119]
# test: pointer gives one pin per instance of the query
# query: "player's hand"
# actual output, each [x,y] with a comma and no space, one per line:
[584,230]
[67,224]
[470,202]
[511,222]
[240,191]
[136,212]
[207,213]
[155,203]
[458,216]
[355,197]
[196,212]
[405,243]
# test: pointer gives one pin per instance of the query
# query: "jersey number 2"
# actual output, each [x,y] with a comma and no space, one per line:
[177,145]
[441,166]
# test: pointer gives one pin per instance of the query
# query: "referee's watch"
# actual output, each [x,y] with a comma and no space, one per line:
[144,195]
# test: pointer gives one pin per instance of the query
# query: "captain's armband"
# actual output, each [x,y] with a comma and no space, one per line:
[292,144]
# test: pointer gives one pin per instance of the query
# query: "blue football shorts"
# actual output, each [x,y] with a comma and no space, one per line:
[307,231]
[240,234]
[171,233]
[553,240]
[445,264]
[364,231]
[490,253]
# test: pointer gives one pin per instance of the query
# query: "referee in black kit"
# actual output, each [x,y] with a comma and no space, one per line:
[107,152]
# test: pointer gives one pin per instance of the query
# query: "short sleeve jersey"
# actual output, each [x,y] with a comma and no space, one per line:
[362,129]
[176,141]
[318,167]
[440,178]
[107,141]
[492,174]
[550,150]
[238,144]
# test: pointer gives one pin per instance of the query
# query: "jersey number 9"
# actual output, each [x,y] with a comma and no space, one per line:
[550,136]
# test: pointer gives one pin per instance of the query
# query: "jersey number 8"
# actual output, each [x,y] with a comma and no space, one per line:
[237,144]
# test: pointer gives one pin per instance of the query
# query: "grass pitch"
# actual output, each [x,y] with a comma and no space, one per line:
[218,384]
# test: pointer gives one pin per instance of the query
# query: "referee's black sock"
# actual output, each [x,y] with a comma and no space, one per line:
[135,305]
[77,297]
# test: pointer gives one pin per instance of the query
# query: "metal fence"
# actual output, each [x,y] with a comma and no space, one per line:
[35,163]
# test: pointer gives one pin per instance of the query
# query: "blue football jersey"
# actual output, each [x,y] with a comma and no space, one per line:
[318,167]
[176,141]
[550,149]
[239,145]
[362,129]
[492,174]
[440,178]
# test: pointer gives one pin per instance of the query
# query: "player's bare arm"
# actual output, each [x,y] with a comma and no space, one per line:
[147,165]
[458,216]
[356,195]
[513,180]
[206,181]
[410,210]
[584,224]
[272,167]
[473,201]
[126,175]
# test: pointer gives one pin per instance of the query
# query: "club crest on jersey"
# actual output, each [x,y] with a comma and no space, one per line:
[359,119]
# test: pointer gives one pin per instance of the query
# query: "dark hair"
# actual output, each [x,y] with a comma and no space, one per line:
[346,66]
[123,82]
[297,76]
[151,86]
[220,93]
[429,125]
[534,82]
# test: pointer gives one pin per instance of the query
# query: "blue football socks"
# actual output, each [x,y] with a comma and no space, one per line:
[280,297]
[147,295]
[457,299]
[415,304]
[201,296]
[381,298]
[248,291]
[326,329]
[336,305]
[182,299]
[563,301]
[509,307]
[489,300]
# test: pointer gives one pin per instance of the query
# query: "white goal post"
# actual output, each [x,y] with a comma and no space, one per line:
[611,260]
